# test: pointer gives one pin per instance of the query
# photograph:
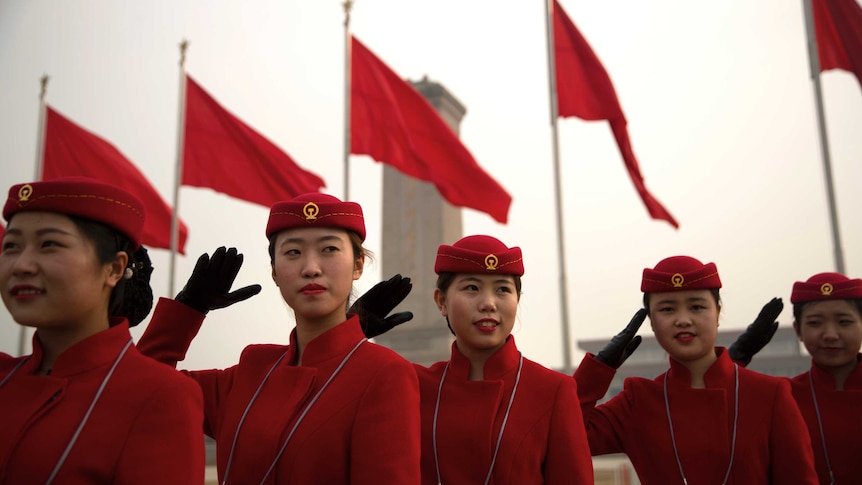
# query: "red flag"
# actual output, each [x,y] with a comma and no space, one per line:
[584,90]
[394,124]
[223,153]
[838,28]
[71,150]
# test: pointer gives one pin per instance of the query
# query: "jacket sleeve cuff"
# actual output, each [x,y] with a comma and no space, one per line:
[170,331]
[594,379]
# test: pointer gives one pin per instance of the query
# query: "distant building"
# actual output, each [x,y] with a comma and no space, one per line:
[416,220]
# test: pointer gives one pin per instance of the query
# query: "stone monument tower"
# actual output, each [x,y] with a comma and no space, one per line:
[416,220]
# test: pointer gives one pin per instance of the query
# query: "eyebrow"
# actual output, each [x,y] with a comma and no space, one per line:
[687,300]
[40,232]
[822,314]
[300,240]
[497,281]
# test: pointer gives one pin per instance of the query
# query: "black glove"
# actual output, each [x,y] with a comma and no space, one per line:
[758,334]
[373,306]
[209,285]
[624,343]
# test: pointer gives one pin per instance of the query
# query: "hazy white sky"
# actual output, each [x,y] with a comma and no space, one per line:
[717,94]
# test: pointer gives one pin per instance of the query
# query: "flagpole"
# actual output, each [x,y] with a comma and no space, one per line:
[37,173]
[40,135]
[558,203]
[178,174]
[348,5]
[814,63]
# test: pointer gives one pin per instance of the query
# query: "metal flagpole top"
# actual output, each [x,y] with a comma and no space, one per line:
[43,81]
[348,5]
[184,45]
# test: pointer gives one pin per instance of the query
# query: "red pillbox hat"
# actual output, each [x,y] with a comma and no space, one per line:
[680,273]
[315,210]
[826,286]
[81,197]
[479,254]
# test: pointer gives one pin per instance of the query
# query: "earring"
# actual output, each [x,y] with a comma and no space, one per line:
[127,274]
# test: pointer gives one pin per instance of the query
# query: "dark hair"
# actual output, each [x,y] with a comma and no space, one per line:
[131,298]
[713,291]
[798,307]
[445,280]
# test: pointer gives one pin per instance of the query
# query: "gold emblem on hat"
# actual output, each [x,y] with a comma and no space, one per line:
[678,280]
[25,192]
[826,289]
[310,211]
[491,262]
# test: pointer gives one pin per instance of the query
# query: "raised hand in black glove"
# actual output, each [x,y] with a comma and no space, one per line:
[208,288]
[758,334]
[373,306]
[624,343]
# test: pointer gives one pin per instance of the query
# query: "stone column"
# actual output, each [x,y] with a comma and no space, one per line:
[416,220]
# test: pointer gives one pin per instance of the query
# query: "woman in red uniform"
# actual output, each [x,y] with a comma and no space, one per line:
[86,407]
[827,317]
[706,420]
[489,415]
[330,407]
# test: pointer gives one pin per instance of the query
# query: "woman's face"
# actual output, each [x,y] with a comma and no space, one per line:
[481,310]
[685,323]
[314,269]
[50,275]
[831,331]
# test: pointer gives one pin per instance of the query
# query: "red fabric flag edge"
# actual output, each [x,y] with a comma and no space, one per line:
[584,90]
[838,29]
[223,153]
[394,124]
[72,150]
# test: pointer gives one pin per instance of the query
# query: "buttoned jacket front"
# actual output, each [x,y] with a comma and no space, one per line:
[543,441]
[771,446]
[144,429]
[363,429]
[841,414]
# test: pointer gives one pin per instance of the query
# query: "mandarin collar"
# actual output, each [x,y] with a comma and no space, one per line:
[332,343]
[96,350]
[717,375]
[503,362]
[823,380]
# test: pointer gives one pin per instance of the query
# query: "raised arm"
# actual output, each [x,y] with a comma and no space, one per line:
[758,333]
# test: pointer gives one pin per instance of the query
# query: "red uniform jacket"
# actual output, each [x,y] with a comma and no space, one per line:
[772,444]
[841,413]
[544,440]
[144,429]
[364,428]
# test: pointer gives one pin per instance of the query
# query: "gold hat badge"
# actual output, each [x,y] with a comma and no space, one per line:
[25,192]
[491,262]
[310,211]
